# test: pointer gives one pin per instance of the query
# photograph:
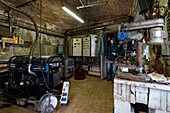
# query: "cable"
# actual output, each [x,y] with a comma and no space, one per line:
[36,29]
[45,81]
[35,25]
[40,26]
[40,46]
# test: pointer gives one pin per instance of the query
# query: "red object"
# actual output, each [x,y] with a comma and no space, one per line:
[79,74]
[30,43]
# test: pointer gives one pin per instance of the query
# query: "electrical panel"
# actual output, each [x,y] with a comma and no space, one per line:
[60,49]
[86,46]
[89,45]
[83,46]
[65,92]
[77,46]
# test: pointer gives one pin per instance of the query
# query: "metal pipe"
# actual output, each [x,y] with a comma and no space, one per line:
[10,22]
[29,26]
[91,5]
[36,29]
[144,24]
[139,55]
[119,19]
[26,3]
[81,2]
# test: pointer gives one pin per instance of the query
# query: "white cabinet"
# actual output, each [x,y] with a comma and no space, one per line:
[89,45]
[86,46]
[77,46]
[127,93]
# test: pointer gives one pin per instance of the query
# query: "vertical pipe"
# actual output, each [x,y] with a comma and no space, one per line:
[48,74]
[40,38]
[139,56]
[10,22]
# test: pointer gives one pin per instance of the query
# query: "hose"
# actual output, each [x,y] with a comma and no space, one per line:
[81,2]
[36,29]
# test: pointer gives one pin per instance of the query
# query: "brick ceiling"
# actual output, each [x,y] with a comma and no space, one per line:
[52,14]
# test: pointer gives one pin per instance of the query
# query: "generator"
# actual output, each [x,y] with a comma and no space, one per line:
[24,88]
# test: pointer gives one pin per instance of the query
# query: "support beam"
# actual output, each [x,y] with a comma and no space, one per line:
[26,3]
[114,21]
[29,26]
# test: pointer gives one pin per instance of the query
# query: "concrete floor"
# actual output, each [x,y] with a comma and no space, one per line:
[91,95]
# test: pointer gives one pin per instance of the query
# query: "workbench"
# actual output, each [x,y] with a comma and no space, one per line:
[153,96]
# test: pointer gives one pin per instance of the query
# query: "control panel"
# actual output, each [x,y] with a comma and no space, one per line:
[65,91]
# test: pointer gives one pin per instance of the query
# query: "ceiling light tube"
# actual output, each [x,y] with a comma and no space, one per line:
[72,14]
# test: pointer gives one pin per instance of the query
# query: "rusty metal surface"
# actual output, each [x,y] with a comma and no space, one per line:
[139,55]
[129,76]
[144,24]
[134,35]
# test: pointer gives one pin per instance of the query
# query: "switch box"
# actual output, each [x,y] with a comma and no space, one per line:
[77,46]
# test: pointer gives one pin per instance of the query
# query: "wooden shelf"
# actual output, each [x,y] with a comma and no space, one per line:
[20,45]
[3,70]
[5,41]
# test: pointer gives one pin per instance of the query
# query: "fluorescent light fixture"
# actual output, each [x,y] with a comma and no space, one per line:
[72,14]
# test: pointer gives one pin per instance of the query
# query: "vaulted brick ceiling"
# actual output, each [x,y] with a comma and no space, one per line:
[53,14]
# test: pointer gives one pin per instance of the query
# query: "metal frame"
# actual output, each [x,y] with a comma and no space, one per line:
[46,69]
